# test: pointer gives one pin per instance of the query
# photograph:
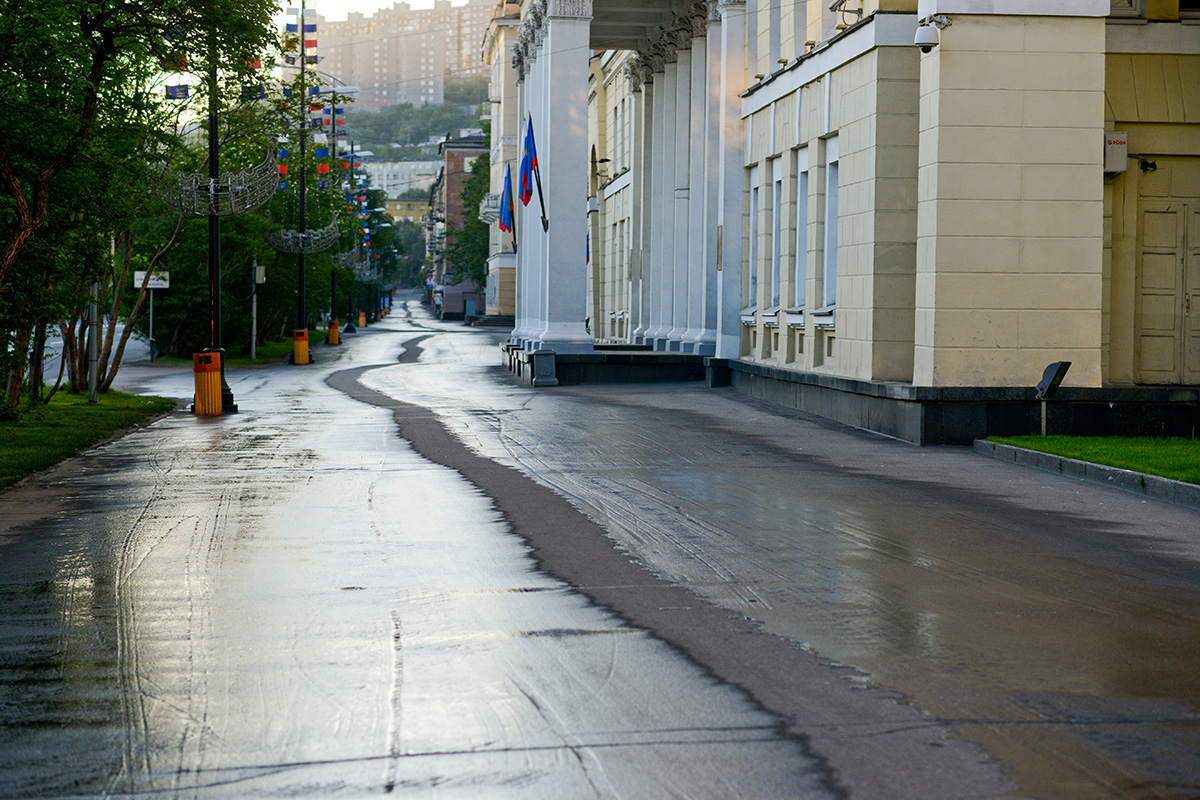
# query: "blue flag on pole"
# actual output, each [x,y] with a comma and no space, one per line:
[506,201]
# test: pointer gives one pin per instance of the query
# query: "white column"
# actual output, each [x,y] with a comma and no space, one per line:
[729,211]
[665,268]
[711,181]
[562,156]
[537,116]
[697,229]
[521,332]
[653,229]
[643,102]
[680,199]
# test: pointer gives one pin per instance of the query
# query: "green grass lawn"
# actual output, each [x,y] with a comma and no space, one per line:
[1178,459]
[43,436]
[267,353]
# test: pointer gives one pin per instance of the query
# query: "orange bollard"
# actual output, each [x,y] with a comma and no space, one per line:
[300,347]
[207,367]
[362,319]
[334,338]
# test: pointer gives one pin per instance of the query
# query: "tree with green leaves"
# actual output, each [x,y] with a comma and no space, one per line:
[70,65]
[84,79]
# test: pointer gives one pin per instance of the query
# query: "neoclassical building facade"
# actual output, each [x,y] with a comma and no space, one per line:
[857,225]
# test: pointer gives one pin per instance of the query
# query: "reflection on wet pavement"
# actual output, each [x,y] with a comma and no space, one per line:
[290,602]
[1054,622]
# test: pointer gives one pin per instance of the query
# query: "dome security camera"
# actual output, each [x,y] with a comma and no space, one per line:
[927,38]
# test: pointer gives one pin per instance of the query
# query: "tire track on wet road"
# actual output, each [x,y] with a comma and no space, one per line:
[868,743]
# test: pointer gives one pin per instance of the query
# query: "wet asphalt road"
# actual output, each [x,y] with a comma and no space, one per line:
[424,579]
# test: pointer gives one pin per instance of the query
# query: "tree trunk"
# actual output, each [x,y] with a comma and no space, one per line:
[67,328]
[12,391]
[107,376]
[37,363]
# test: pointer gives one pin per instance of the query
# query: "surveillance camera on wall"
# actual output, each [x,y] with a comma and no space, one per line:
[927,38]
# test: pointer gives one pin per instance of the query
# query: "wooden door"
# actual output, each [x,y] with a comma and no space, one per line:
[1191,299]
[1161,306]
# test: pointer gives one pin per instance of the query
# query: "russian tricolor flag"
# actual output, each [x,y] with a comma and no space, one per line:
[528,165]
[506,201]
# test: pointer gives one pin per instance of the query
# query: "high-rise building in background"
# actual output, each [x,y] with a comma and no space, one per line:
[406,55]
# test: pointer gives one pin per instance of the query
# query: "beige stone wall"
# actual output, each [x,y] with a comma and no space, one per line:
[894,219]
[505,278]
[1010,215]
[871,115]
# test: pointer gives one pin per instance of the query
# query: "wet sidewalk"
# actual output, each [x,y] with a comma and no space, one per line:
[399,570]
[1052,621]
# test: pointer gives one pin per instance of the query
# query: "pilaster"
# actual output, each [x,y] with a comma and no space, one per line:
[1010,179]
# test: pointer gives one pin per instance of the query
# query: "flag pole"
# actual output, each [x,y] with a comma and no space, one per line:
[537,178]
[512,205]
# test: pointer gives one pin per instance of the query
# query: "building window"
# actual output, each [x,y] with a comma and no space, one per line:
[776,229]
[1128,8]
[800,262]
[752,270]
[830,248]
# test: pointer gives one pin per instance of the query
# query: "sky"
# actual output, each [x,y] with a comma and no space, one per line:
[334,10]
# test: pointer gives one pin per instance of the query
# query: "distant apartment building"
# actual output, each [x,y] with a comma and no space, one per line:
[410,210]
[406,55]
[397,177]
[453,297]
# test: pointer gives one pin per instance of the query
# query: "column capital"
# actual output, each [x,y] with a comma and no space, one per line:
[632,74]
[730,6]
[698,16]
[518,62]
[656,53]
[642,69]
[569,9]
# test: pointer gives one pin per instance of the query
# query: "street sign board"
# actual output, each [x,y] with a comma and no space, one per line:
[159,280]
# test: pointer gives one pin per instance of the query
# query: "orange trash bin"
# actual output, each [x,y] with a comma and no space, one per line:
[300,347]
[207,367]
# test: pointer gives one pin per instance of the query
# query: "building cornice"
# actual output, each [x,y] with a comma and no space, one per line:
[1017,8]
[877,30]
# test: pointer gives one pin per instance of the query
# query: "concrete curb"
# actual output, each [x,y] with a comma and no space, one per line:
[1178,492]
